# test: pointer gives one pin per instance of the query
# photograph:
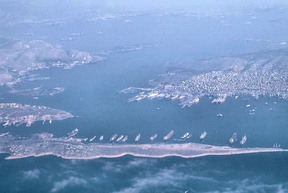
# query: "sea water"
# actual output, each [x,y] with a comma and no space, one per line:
[237,173]
[92,95]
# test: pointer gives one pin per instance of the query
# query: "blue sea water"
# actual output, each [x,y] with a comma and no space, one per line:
[237,173]
[92,95]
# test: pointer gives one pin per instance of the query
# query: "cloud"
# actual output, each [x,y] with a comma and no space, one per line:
[166,177]
[71,181]
[249,185]
[31,174]
[140,162]
[177,181]
[111,166]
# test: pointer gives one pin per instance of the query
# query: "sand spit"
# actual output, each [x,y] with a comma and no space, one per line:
[45,144]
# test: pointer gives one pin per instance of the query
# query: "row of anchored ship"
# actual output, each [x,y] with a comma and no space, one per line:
[122,138]
[234,138]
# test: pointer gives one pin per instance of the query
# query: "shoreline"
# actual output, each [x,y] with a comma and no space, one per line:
[71,151]
[144,156]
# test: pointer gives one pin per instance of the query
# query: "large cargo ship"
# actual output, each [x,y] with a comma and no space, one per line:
[152,138]
[113,137]
[243,140]
[120,138]
[92,139]
[203,135]
[233,139]
[185,135]
[168,136]
[125,138]
[73,133]
[137,137]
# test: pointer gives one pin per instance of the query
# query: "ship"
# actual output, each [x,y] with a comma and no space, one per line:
[73,133]
[120,138]
[137,138]
[125,139]
[152,138]
[101,138]
[85,139]
[243,140]
[92,138]
[3,134]
[233,139]
[185,135]
[203,135]
[169,135]
[189,136]
[113,137]
[7,123]
[276,145]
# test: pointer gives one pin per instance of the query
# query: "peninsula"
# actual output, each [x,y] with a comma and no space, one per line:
[17,114]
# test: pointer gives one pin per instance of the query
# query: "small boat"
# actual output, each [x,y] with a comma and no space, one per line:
[101,138]
[203,135]
[243,140]
[219,115]
[120,138]
[125,139]
[137,138]
[152,138]
[233,139]
[113,137]
[185,135]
